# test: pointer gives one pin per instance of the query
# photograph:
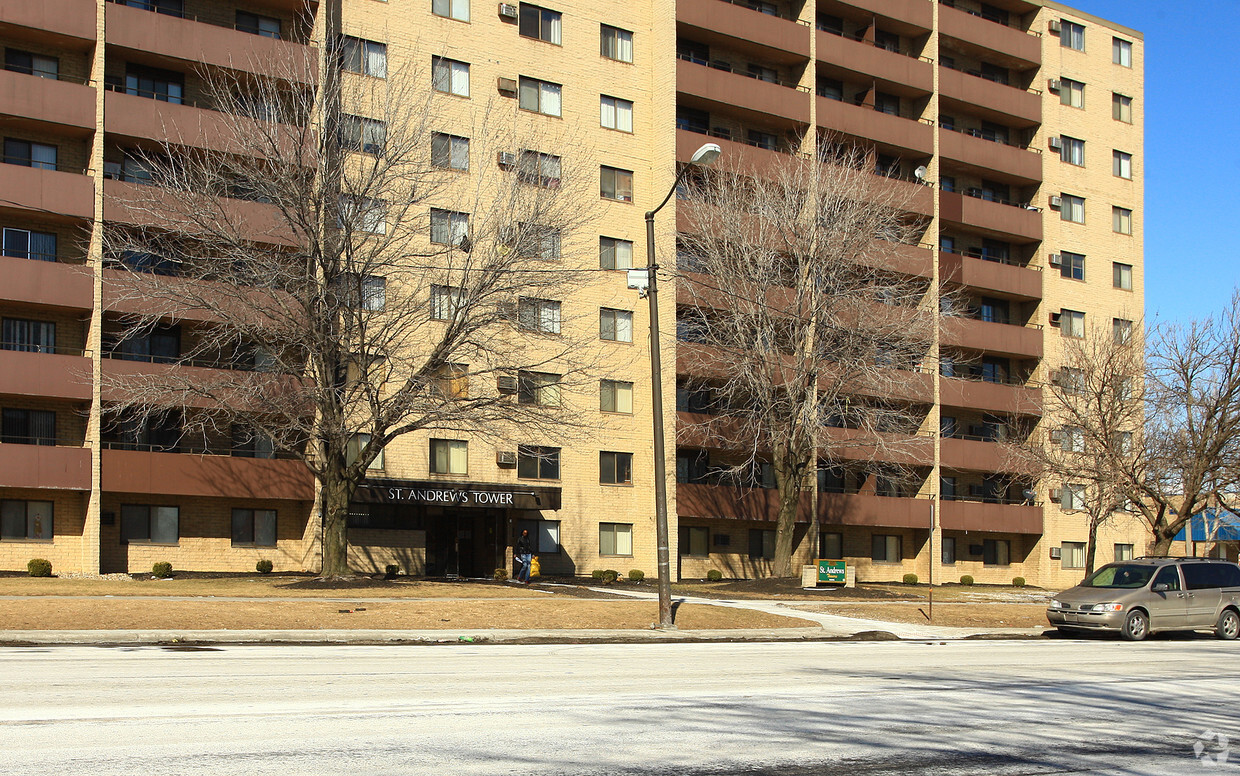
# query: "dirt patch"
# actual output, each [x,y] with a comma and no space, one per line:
[961,615]
[144,613]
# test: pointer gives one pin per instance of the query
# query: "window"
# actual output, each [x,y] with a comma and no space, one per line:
[694,541]
[450,152]
[155,84]
[363,214]
[947,550]
[762,73]
[1123,552]
[1073,555]
[27,154]
[692,467]
[616,396]
[28,336]
[615,539]
[539,96]
[1121,276]
[616,184]
[615,468]
[539,169]
[996,552]
[887,103]
[1121,108]
[41,246]
[450,76]
[361,134]
[538,242]
[28,427]
[548,533]
[155,434]
[1072,35]
[254,24]
[538,463]
[538,388]
[449,456]
[761,544]
[31,64]
[256,527]
[831,88]
[365,292]
[26,520]
[1121,330]
[1071,93]
[169,7]
[764,140]
[1072,208]
[885,548]
[1072,265]
[1072,323]
[1071,379]
[452,381]
[448,227]
[540,315]
[451,9]
[612,253]
[367,57]
[143,523]
[617,44]
[1071,440]
[1072,151]
[831,545]
[615,325]
[539,23]
[1121,164]
[445,302]
[357,443]
[615,113]
[1121,220]
[1072,497]
[248,442]
[1121,54]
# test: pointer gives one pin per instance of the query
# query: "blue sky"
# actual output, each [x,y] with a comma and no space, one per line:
[1192,150]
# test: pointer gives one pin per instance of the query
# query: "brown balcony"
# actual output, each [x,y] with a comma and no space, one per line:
[907,259]
[999,398]
[1003,339]
[976,455]
[197,42]
[49,193]
[744,28]
[873,511]
[69,18]
[994,518]
[912,197]
[131,116]
[135,203]
[1011,280]
[1023,165]
[999,218]
[183,474]
[44,466]
[731,502]
[1002,103]
[738,93]
[46,283]
[745,158]
[874,63]
[47,100]
[49,375]
[1016,47]
[855,445]
[865,122]
[915,13]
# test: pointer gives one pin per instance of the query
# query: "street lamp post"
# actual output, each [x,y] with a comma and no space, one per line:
[703,156]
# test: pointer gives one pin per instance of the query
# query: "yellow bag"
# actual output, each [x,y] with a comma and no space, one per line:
[535,571]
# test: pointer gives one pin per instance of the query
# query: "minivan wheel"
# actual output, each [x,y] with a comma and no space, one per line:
[1136,626]
[1228,625]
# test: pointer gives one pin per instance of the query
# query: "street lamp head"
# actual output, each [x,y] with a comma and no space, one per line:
[707,154]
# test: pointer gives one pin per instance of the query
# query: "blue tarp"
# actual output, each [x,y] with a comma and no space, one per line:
[1225,526]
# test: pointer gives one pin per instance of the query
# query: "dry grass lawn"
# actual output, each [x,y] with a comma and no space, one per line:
[962,615]
[144,613]
[252,587]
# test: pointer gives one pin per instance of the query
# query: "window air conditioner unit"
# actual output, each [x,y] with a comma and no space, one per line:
[1056,143]
[1055,553]
[1056,260]
[1056,437]
[505,458]
[1055,26]
[507,87]
[509,11]
[506,385]
[1055,319]
[506,159]
[1056,494]
[1056,201]
[1054,84]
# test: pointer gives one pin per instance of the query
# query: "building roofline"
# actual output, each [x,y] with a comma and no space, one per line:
[1096,19]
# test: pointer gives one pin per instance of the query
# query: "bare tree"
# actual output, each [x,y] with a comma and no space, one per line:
[805,330]
[349,281]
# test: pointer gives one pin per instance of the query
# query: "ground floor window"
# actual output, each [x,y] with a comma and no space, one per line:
[1123,552]
[255,527]
[949,550]
[885,548]
[143,523]
[694,541]
[544,535]
[997,552]
[615,539]
[831,546]
[761,544]
[26,520]
[1073,555]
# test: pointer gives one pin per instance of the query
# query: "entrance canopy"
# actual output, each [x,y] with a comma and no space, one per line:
[467,495]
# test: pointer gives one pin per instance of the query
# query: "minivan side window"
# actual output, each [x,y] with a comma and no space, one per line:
[1207,576]
[1229,575]
[1167,576]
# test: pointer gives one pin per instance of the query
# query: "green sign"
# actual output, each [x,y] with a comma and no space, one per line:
[832,571]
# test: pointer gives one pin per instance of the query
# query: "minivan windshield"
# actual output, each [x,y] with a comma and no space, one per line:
[1120,575]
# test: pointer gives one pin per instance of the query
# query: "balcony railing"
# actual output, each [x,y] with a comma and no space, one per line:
[982,135]
[58,166]
[989,77]
[29,347]
[725,134]
[755,7]
[982,13]
[980,499]
[982,194]
[57,76]
[727,67]
[182,448]
[179,13]
[876,44]
[978,253]
[42,440]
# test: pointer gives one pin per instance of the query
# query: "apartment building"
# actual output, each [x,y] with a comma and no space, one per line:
[1015,127]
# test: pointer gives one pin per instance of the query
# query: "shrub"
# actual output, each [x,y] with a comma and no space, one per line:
[1018,581]
[597,574]
[390,571]
[966,580]
[610,575]
[39,567]
[500,575]
[163,569]
[264,566]
[636,575]
[714,575]
[910,579]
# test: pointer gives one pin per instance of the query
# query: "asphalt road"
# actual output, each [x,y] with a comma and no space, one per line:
[794,709]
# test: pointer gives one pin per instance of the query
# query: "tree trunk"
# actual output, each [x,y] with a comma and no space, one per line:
[1091,545]
[334,504]
[787,483]
[1161,544]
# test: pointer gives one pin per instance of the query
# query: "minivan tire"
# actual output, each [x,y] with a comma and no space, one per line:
[1136,626]
[1228,626]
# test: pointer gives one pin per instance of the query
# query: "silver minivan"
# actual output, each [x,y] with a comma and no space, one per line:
[1148,595]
